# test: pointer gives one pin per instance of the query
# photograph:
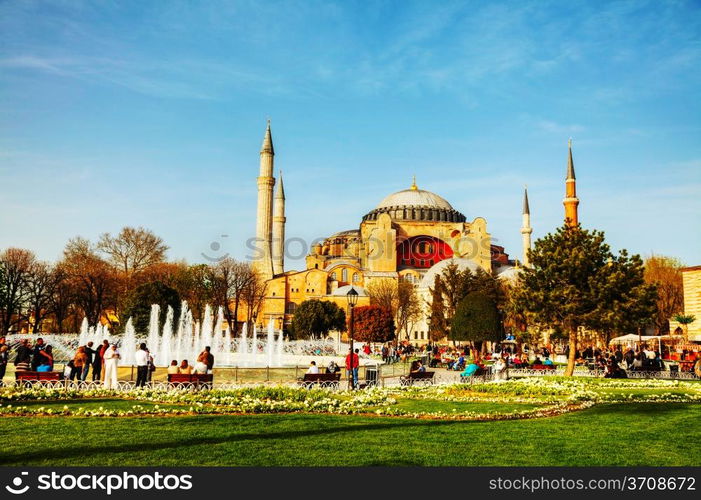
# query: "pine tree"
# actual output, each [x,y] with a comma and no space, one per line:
[575,280]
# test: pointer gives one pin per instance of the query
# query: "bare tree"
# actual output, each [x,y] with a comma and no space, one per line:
[39,288]
[61,297]
[16,270]
[252,295]
[384,293]
[230,279]
[408,308]
[92,278]
[133,250]
[665,272]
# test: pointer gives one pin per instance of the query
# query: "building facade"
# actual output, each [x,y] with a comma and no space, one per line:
[411,235]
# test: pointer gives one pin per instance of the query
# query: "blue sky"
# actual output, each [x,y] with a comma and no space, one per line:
[152,114]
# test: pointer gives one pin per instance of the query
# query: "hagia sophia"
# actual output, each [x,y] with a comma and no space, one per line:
[411,235]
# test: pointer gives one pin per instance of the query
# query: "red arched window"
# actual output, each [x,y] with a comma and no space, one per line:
[422,252]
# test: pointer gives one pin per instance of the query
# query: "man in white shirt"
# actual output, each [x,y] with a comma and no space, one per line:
[141,365]
[313,368]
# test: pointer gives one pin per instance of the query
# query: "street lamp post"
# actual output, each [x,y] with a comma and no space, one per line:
[352,297]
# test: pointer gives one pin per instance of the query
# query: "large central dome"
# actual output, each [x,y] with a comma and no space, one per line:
[416,204]
[414,198]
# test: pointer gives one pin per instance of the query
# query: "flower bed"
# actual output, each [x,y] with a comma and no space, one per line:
[553,396]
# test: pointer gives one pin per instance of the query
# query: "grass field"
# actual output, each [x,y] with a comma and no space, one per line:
[606,434]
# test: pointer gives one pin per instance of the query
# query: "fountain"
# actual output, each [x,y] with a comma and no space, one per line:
[185,337]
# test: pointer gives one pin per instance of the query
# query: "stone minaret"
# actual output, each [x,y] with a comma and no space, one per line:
[279,229]
[264,215]
[571,201]
[526,229]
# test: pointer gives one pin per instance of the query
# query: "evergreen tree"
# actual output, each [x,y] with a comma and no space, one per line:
[437,324]
[476,319]
[575,280]
[139,301]
[316,318]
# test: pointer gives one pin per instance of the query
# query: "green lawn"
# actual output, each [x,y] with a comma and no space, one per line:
[654,434]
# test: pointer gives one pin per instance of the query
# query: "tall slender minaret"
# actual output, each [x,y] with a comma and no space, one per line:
[264,215]
[571,201]
[526,229]
[279,229]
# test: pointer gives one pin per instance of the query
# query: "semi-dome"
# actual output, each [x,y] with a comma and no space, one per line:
[430,277]
[416,204]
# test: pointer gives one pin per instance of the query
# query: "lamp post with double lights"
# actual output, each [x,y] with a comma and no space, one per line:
[352,297]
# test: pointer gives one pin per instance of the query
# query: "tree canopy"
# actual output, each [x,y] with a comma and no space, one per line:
[575,280]
[139,301]
[316,318]
[476,319]
[373,324]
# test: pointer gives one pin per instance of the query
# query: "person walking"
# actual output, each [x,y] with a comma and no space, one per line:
[4,356]
[142,363]
[111,357]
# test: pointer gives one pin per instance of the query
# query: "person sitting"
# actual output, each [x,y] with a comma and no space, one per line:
[638,362]
[458,364]
[313,369]
[537,361]
[548,362]
[46,364]
[173,368]
[418,367]
[184,368]
[471,369]
[332,368]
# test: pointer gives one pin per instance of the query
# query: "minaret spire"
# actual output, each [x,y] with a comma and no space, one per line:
[262,261]
[267,146]
[278,243]
[571,201]
[526,229]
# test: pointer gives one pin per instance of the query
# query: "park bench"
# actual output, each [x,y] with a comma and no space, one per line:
[194,380]
[540,367]
[418,377]
[323,379]
[29,377]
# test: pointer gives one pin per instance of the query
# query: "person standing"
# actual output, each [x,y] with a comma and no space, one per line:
[4,356]
[141,365]
[79,361]
[90,353]
[24,356]
[98,361]
[352,364]
[111,357]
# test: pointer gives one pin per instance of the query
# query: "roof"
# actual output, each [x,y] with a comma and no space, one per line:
[414,198]
[343,290]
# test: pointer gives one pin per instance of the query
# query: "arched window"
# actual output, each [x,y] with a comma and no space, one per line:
[356,277]
[344,275]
